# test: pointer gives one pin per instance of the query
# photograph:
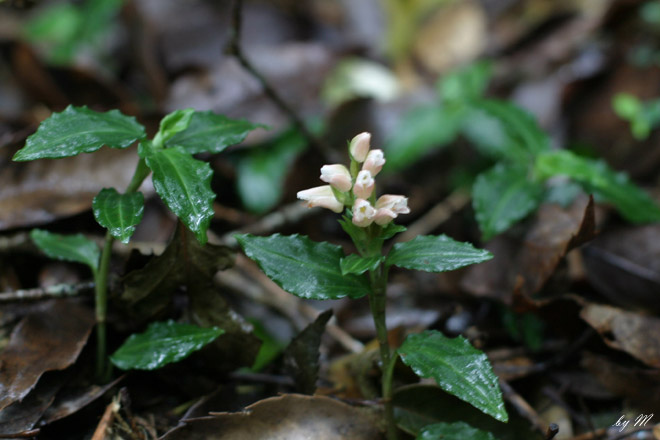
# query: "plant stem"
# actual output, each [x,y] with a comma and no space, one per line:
[377,302]
[103,368]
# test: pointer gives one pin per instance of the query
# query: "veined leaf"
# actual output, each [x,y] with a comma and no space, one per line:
[303,267]
[435,253]
[74,248]
[80,130]
[184,184]
[119,213]
[594,175]
[502,196]
[457,367]
[174,123]
[162,344]
[358,265]
[503,130]
[420,131]
[453,431]
[212,133]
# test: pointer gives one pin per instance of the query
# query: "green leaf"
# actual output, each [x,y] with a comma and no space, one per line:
[212,133]
[262,170]
[466,84]
[420,131]
[184,184]
[355,264]
[503,131]
[174,123]
[74,248]
[457,367]
[80,130]
[390,230]
[162,344]
[303,267]
[435,253]
[626,106]
[453,431]
[502,196]
[595,176]
[119,213]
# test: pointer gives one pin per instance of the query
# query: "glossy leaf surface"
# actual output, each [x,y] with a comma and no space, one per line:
[303,267]
[161,344]
[502,196]
[631,201]
[211,132]
[435,253]
[184,184]
[457,367]
[76,248]
[119,213]
[453,431]
[80,130]
[358,265]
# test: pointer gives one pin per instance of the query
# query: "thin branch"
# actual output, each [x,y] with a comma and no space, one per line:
[41,293]
[234,48]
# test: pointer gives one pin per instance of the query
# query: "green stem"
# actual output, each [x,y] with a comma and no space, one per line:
[103,369]
[377,302]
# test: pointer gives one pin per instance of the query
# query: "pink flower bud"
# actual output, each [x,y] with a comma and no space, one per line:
[364,185]
[374,162]
[396,204]
[363,213]
[359,146]
[383,216]
[338,176]
[321,196]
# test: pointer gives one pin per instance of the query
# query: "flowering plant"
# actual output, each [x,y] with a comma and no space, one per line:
[327,273]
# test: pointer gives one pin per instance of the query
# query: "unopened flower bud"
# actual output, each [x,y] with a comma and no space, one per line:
[374,162]
[359,146]
[321,196]
[338,176]
[364,185]
[363,213]
[384,216]
[396,204]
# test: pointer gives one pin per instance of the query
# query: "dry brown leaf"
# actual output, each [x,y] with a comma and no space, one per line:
[41,191]
[47,340]
[287,417]
[631,332]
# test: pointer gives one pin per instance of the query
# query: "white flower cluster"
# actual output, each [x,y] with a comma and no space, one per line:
[357,190]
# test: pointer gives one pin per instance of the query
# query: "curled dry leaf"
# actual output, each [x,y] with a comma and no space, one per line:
[47,340]
[287,417]
[631,332]
[555,232]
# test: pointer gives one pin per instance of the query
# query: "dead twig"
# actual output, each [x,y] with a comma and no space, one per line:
[435,216]
[234,48]
[523,408]
[108,415]
[41,293]
[30,433]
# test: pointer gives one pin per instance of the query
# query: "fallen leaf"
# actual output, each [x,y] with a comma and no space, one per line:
[301,357]
[47,340]
[149,291]
[633,333]
[287,417]
[624,265]
[526,269]
[41,191]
